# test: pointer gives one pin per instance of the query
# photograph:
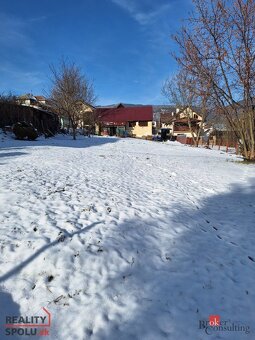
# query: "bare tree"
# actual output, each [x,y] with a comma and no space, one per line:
[8,98]
[185,91]
[217,46]
[70,91]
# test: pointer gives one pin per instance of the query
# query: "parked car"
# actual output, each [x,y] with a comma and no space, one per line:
[157,137]
[165,134]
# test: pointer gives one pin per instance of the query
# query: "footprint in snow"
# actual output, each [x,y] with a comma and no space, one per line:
[233,243]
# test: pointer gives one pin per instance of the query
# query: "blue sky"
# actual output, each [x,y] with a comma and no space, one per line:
[123,45]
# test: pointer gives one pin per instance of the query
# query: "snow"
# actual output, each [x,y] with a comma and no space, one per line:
[142,239]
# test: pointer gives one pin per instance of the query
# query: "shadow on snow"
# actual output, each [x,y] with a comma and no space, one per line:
[201,262]
[7,308]
[59,141]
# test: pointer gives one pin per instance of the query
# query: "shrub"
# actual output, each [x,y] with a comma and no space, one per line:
[24,130]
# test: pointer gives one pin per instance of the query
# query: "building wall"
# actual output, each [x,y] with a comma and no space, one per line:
[186,133]
[84,114]
[43,102]
[140,131]
[135,131]
[175,133]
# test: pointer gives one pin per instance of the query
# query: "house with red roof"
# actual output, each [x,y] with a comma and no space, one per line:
[122,120]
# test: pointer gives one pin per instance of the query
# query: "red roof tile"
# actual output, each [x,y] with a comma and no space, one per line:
[125,114]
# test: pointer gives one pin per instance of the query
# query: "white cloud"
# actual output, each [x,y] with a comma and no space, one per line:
[144,12]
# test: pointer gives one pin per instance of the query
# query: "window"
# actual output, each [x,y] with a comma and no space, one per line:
[143,123]
[195,116]
[132,124]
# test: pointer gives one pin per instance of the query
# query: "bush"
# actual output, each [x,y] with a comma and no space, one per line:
[24,130]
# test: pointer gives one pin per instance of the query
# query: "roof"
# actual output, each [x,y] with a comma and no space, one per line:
[27,96]
[195,109]
[164,108]
[40,98]
[118,105]
[89,105]
[127,105]
[125,114]
[166,118]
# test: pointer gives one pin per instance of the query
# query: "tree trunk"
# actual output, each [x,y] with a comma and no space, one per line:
[74,129]
[74,134]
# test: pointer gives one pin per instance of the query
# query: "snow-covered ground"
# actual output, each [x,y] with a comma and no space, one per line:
[125,238]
